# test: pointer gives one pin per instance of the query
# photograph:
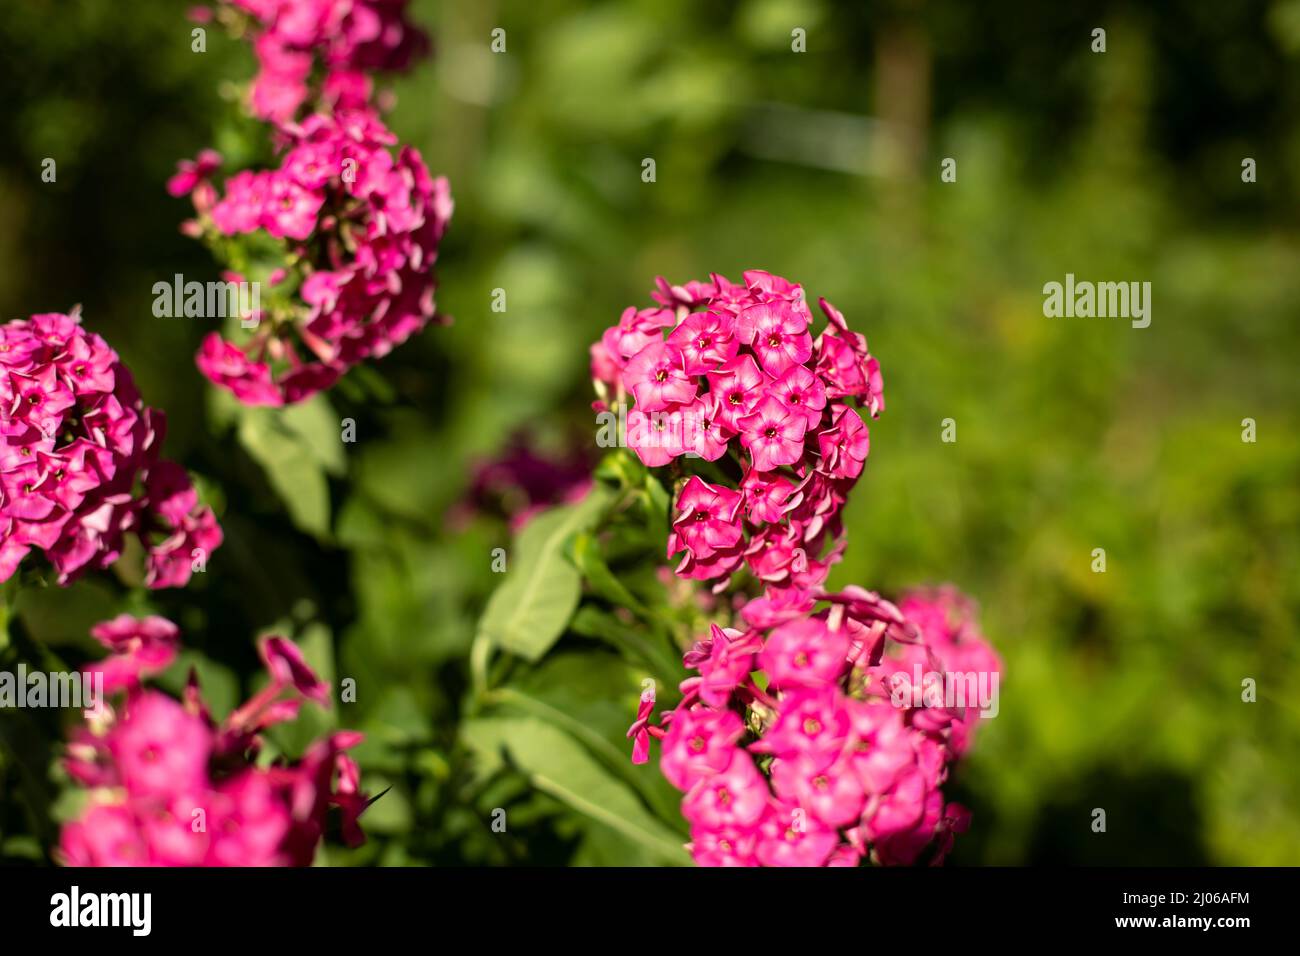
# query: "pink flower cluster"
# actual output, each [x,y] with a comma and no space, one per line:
[79,465]
[171,786]
[818,763]
[363,227]
[739,380]
[359,227]
[334,43]
[796,743]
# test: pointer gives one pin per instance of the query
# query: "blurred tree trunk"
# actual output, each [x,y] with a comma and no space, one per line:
[902,103]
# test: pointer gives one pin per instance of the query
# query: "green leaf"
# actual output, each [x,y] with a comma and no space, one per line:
[591,695]
[297,447]
[658,505]
[527,614]
[319,429]
[586,555]
[558,765]
[630,639]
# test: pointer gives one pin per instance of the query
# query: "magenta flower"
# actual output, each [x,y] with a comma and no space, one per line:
[339,41]
[243,206]
[718,566]
[159,748]
[656,437]
[815,759]
[790,836]
[802,392]
[171,787]
[846,366]
[657,378]
[776,553]
[140,647]
[738,385]
[106,835]
[290,209]
[733,797]
[635,330]
[225,364]
[813,723]
[699,743]
[769,496]
[777,605]
[804,653]
[359,232]
[724,662]
[703,433]
[724,846]
[189,173]
[773,436]
[705,342]
[79,460]
[781,338]
[639,730]
[851,778]
[707,519]
[714,334]
[830,794]
[288,668]
[845,445]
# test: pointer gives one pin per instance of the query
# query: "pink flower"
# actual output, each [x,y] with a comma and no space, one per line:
[769,496]
[656,437]
[159,748]
[106,835]
[288,668]
[192,172]
[242,208]
[737,384]
[724,662]
[141,647]
[802,392]
[655,376]
[290,210]
[77,443]
[812,723]
[705,342]
[719,565]
[249,822]
[843,446]
[224,363]
[723,846]
[635,330]
[804,653]
[603,366]
[707,519]
[831,794]
[703,433]
[846,366]
[781,338]
[699,743]
[790,836]
[360,230]
[772,435]
[170,787]
[734,797]
[639,730]
[776,605]
[848,778]
[776,553]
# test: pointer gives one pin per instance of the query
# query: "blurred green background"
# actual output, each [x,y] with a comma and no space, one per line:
[1123,690]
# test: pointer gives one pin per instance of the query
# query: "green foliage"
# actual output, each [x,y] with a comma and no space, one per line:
[1122,690]
[527,614]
